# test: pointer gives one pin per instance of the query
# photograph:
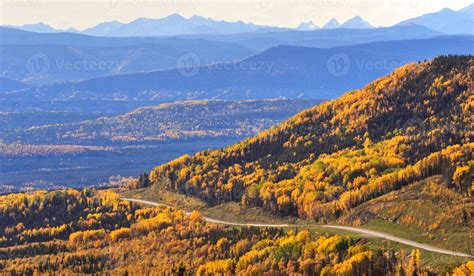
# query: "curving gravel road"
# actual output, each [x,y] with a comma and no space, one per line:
[370,233]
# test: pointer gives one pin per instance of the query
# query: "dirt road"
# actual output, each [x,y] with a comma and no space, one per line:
[344,228]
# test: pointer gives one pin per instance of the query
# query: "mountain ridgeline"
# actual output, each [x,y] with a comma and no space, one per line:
[73,56]
[447,21]
[280,72]
[407,126]
[69,57]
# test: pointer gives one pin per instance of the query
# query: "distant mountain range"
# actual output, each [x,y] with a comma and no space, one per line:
[78,63]
[171,25]
[176,24]
[38,28]
[332,24]
[356,22]
[447,21]
[68,56]
[307,26]
[322,38]
[12,36]
[280,72]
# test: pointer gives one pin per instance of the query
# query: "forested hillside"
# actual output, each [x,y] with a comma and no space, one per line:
[88,232]
[404,127]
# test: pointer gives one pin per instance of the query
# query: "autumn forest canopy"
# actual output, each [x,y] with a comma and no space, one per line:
[85,232]
[397,152]
[237,138]
[410,125]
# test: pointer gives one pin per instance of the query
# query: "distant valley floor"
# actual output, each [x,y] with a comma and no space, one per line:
[92,167]
[49,150]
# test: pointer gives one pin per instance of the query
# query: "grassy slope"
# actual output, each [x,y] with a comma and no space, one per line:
[426,211]
[230,211]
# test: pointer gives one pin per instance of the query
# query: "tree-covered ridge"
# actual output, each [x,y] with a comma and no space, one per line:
[409,125]
[165,122]
[44,216]
[94,232]
[10,150]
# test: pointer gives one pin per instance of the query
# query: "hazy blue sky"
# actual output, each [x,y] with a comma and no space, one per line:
[81,14]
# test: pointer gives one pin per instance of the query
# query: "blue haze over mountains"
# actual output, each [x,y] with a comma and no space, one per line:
[116,55]
[127,55]
[447,21]
[231,60]
[279,72]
